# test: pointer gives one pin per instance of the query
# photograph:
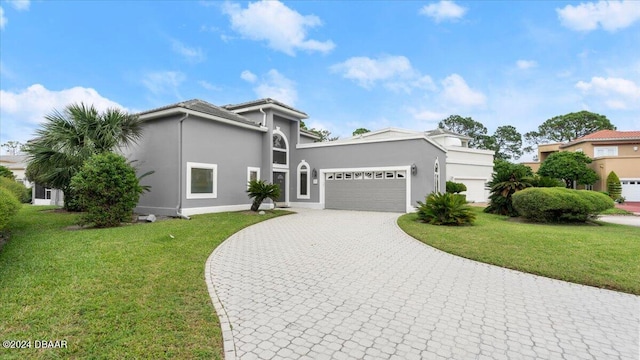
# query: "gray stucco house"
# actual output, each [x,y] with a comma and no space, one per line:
[204,156]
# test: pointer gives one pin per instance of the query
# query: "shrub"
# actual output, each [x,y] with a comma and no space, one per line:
[9,207]
[614,188]
[5,172]
[455,188]
[545,181]
[108,189]
[21,192]
[507,179]
[259,190]
[559,204]
[445,209]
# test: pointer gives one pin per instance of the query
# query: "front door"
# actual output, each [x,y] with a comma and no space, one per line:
[279,178]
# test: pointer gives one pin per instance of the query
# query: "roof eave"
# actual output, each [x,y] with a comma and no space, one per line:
[180,110]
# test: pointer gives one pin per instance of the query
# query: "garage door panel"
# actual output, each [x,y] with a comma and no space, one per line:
[371,194]
[631,189]
[475,190]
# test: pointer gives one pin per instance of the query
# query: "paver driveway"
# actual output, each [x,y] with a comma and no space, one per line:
[341,284]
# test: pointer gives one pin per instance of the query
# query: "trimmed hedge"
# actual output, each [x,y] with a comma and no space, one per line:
[21,192]
[548,205]
[9,207]
[455,188]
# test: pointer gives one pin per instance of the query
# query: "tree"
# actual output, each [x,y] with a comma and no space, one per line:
[325,135]
[614,187]
[507,179]
[571,167]
[67,139]
[259,190]
[466,126]
[360,131]
[507,143]
[13,147]
[108,189]
[567,127]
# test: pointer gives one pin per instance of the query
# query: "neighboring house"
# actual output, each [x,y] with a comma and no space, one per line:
[40,195]
[611,150]
[472,167]
[204,156]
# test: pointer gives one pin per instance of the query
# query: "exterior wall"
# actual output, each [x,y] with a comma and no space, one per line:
[470,166]
[534,165]
[544,150]
[369,155]
[624,166]
[588,148]
[158,151]
[232,149]
[306,139]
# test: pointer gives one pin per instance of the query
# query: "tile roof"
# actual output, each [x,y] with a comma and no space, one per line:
[206,108]
[17,161]
[264,101]
[606,135]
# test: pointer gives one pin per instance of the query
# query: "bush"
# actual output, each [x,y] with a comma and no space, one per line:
[108,189]
[445,209]
[260,190]
[21,192]
[455,188]
[545,181]
[9,207]
[614,187]
[5,172]
[556,204]
[507,179]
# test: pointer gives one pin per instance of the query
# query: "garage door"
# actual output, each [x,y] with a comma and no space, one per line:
[366,190]
[476,191]
[631,189]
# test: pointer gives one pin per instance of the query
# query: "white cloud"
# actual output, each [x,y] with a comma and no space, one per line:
[162,82]
[276,86]
[209,86]
[617,93]
[443,10]
[526,64]
[395,72]
[248,76]
[427,115]
[457,92]
[20,5]
[3,19]
[610,15]
[281,27]
[22,111]
[192,55]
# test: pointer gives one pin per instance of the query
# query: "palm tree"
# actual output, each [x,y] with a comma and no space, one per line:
[67,139]
[259,190]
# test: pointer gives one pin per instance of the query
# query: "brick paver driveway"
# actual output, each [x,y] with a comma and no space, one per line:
[341,284]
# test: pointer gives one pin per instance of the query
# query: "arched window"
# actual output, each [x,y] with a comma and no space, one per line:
[280,148]
[436,177]
[303,180]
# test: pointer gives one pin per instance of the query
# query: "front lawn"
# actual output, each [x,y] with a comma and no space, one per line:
[137,291]
[605,256]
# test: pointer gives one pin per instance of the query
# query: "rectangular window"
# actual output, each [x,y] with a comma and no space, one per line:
[338,176]
[401,174]
[588,187]
[599,151]
[348,176]
[368,175]
[202,181]
[389,175]
[47,193]
[279,157]
[379,175]
[329,176]
[253,174]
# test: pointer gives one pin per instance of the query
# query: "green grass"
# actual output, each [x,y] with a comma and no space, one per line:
[604,256]
[127,292]
[616,211]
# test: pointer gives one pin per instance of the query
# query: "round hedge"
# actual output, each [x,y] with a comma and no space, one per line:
[21,192]
[560,204]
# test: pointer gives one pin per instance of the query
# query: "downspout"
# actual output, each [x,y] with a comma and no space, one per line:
[264,117]
[179,206]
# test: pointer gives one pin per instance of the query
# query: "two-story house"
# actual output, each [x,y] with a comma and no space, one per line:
[611,150]
[204,156]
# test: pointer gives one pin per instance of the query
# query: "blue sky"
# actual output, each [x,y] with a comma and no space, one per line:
[351,64]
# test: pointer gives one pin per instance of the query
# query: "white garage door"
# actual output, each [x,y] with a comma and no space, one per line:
[476,191]
[631,189]
[366,190]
